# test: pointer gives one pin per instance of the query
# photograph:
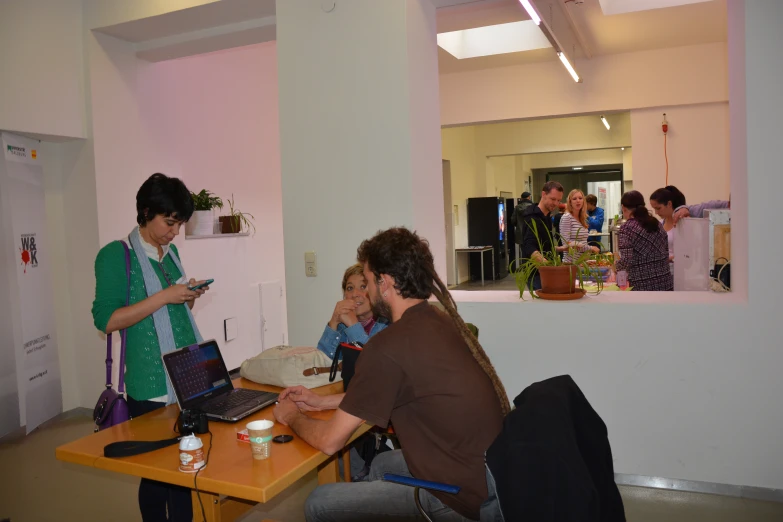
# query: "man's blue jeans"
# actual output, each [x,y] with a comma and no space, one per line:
[535,282]
[375,499]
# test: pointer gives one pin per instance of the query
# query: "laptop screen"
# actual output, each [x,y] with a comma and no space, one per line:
[196,371]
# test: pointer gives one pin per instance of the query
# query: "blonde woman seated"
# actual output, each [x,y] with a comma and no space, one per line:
[352,319]
[573,228]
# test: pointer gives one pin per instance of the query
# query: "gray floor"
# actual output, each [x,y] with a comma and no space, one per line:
[38,488]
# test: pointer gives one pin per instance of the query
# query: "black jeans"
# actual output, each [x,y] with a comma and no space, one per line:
[158,501]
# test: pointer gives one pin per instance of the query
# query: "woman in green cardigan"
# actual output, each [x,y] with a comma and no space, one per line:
[158,319]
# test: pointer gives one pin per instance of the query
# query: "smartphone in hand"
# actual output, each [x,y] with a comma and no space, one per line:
[201,285]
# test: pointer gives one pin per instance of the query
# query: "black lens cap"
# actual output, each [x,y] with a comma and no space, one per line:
[283,438]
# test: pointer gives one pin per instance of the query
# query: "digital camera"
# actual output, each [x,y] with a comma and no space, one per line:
[192,422]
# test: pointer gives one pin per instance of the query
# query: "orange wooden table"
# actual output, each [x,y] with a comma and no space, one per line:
[231,471]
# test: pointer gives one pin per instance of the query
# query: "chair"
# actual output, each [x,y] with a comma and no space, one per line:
[419,484]
[490,510]
[551,462]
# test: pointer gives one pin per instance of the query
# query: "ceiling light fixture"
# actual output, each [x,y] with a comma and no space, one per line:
[531,11]
[568,66]
[577,168]
[606,123]
[558,49]
[622,148]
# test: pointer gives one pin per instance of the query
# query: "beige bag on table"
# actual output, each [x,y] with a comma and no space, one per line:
[286,366]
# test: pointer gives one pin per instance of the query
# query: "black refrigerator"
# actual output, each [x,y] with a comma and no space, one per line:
[487,226]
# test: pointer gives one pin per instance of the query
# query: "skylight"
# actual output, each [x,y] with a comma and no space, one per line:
[494,39]
[611,7]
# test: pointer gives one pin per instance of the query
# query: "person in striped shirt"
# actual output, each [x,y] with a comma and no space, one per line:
[573,227]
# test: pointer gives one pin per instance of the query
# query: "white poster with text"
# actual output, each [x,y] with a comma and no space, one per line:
[31,295]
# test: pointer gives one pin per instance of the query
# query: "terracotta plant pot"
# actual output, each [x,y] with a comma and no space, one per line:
[230,225]
[558,279]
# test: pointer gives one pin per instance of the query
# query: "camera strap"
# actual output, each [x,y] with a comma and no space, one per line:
[128,448]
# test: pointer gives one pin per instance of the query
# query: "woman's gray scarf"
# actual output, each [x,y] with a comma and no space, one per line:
[161,315]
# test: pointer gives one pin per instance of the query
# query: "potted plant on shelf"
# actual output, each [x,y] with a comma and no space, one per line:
[236,221]
[202,222]
[558,279]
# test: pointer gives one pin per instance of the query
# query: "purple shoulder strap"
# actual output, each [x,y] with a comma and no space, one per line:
[121,387]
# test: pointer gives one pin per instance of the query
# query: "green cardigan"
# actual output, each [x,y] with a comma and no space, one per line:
[145,377]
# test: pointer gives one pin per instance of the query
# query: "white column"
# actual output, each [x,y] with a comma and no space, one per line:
[360,139]
[763,68]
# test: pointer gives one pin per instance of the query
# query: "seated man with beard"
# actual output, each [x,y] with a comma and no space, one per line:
[428,375]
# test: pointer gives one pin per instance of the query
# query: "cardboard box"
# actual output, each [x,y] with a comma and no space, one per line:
[242,436]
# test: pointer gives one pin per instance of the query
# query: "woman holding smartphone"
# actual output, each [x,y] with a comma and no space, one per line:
[157,317]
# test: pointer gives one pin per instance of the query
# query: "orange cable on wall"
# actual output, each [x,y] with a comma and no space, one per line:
[665,128]
[666,156]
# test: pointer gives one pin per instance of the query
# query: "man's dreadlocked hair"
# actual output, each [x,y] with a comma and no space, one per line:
[406,257]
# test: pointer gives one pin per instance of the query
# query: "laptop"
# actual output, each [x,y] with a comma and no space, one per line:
[201,381]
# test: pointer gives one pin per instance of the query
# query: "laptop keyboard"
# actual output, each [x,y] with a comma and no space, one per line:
[236,398]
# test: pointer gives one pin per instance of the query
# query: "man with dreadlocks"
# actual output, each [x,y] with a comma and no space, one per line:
[425,373]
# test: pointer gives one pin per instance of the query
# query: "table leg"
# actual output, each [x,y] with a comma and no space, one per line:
[346,456]
[492,253]
[456,268]
[211,503]
[216,509]
[482,267]
[329,471]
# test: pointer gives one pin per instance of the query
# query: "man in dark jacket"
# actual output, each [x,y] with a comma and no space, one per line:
[517,221]
[537,235]
[516,216]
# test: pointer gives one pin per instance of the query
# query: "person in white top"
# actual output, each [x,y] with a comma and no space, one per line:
[664,202]
[573,227]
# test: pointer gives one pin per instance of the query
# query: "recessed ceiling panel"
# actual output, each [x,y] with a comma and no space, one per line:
[494,39]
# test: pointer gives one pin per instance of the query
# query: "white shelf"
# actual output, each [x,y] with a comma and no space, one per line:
[217,236]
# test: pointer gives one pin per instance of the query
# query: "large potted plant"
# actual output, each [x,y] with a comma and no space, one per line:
[202,222]
[236,221]
[558,279]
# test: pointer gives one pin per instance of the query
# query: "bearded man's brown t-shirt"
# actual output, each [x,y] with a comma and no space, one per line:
[419,374]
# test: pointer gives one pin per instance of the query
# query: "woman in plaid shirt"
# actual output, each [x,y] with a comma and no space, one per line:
[644,247]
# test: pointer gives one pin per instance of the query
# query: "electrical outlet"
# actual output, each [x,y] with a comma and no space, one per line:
[311,265]
[230,328]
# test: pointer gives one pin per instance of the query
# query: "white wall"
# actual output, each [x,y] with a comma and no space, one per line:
[575,158]
[42,87]
[359,140]
[100,13]
[459,147]
[230,147]
[503,176]
[553,135]
[43,92]
[628,164]
[697,147]
[664,77]
[184,119]
[687,390]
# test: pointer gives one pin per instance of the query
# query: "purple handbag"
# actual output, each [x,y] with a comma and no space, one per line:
[111,407]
